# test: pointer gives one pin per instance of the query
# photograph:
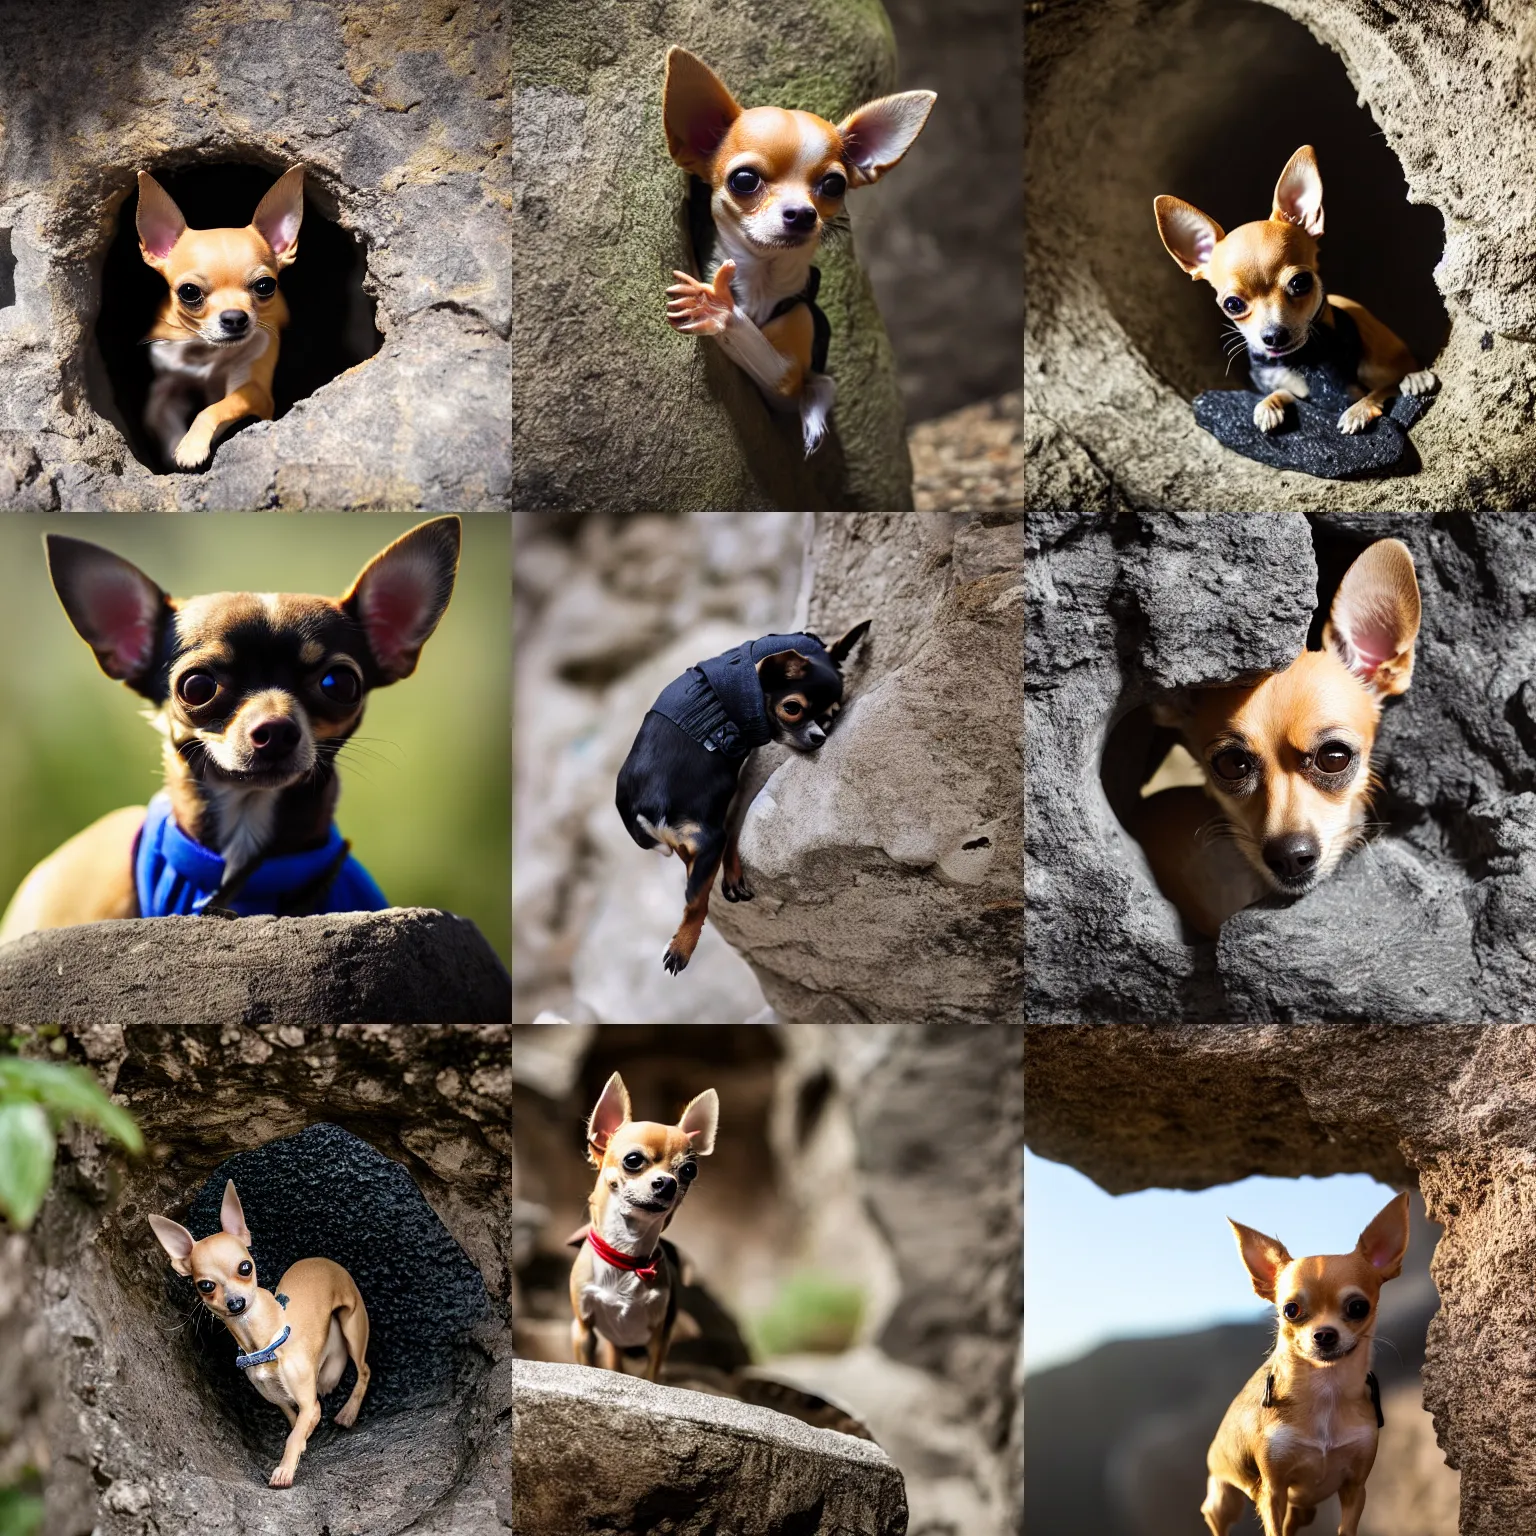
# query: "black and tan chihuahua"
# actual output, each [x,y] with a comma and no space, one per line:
[255,694]
[676,787]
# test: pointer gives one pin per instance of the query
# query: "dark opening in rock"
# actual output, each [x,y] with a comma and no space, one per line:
[325,1193]
[7,271]
[1227,92]
[331,326]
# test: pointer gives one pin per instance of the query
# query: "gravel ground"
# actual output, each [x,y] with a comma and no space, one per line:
[972,459]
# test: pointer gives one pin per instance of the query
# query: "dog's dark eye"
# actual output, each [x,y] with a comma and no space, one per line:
[340,686]
[688,1172]
[244,1269]
[1356,1308]
[792,707]
[264,287]
[190,293]
[206,1287]
[1292,1310]
[1232,765]
[1233,305]
[1333,757]
[1300,284]
[833,184]
[634,1161]
[744,182]
[197,689]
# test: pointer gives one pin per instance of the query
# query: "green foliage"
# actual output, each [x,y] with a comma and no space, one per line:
[812,1312]
[21,1512]
[36,1099]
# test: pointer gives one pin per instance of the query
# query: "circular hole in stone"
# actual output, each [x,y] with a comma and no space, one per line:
[1208,103]
[325,1193]
[331,318]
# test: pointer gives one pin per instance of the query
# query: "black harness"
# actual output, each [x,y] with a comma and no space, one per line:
[1330,359]
[1370,1381]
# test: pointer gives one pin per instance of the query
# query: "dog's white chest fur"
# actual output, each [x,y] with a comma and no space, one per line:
[268,1380]
[621,1305]
[219,369]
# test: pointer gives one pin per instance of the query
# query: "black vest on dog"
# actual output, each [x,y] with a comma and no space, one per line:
[720,703]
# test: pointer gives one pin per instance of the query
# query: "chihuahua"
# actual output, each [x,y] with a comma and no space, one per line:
[676,787]
[776,180]
[1266,279]
[1285,762]
[624,1282]
[1304,1428]
[294,1342]
[213,346]
[255,695]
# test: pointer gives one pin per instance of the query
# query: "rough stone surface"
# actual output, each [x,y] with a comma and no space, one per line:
[1108,350]
[141,1441]
[406,965]
[886,865]
[1450,1108]
[611,406]
[611,1454]
[398,112]
[1430,922]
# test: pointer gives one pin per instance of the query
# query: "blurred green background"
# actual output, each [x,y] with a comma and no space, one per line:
[426,783]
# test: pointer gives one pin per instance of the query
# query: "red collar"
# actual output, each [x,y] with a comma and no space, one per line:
[611,1255]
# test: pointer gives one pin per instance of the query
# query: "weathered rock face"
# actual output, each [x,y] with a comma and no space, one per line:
[1450,1108]
[1430,922]
[886,865]
[612,407]
[140,1434]
[1118,341]
[610,1454]
[407,965]
[397,111]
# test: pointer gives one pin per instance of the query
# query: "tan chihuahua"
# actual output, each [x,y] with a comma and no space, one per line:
[1266,279]
[214,344]
[624,1282]
[295,1342]
[1305,1426]
[1285,763]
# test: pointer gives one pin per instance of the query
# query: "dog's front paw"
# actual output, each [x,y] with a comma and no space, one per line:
[192,452]
[282,1478]
[1421,383]
[1359,416]
[346,1415]
[702,309]
[1269,413]
[675,959]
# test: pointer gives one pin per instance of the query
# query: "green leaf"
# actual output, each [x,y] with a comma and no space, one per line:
[21,1513]
[67,1091]
[26,1161]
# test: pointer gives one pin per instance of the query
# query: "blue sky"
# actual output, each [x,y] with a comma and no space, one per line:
[1100,1267]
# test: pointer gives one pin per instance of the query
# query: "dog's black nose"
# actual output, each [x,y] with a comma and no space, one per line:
[234,320]
[664,1185]
[800,219]
[275,738]
[1326,1338]
[235,1304]
[1292,856]
[1275,336]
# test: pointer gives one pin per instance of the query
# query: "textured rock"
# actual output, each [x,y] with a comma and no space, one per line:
[1117,341]
[612,407]
[141,1434]
[610,1454]
[1451,1108]
[398,112]
[1431,922]
[886,865]
[405,965]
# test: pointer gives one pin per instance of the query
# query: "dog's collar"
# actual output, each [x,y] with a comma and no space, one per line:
[1370,1381]
[261,1356]
[646,1268]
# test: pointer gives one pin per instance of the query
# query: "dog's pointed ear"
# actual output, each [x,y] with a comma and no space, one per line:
[878,134]
[842,647]
[700,1120]
[279,214]
[1384,1243]
[781,668]
[176,1241]
[115,608]
[1188,235]
[1263,1257]
[1299,193]
[402,593]
[1374,620]
[611,1112]
[232,1216]
[158,220]
[696,110]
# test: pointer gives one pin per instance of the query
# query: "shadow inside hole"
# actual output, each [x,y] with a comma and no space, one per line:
[1199,111]
[331,319]
[327,1194]
[7,271]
